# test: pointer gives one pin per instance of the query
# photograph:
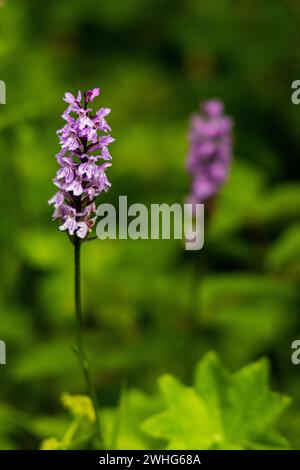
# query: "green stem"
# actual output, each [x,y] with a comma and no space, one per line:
[69,434]
[79,338]
[193,331]
[193,292]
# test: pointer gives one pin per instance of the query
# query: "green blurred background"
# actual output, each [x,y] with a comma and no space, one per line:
[154,60]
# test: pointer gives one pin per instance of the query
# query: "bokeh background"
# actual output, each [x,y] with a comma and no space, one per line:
[146,312]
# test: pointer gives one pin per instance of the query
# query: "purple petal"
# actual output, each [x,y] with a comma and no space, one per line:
[82,230]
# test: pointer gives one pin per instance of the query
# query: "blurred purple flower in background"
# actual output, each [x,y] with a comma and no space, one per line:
[81,179]
[210,150]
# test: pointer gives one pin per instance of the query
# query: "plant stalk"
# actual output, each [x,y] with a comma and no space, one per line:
[79,336]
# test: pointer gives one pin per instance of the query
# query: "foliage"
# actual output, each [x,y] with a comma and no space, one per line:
[149,307]
[219,411]
[82,412]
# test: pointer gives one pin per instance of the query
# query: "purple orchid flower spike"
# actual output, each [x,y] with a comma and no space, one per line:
[84,142]
[210,150]
[83,160]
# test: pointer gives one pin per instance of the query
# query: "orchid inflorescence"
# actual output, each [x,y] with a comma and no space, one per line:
[84,141]
[210,150]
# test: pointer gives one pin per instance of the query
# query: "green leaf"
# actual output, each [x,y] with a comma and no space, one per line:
[221,411]
[185,410]
[131,412]
[285,253]
[282,205]
[243,209]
